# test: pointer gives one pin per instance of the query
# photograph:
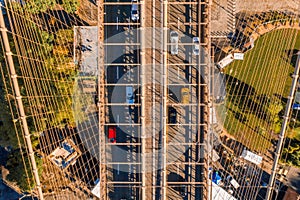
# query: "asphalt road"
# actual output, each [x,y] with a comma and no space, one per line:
[183,72]
[122,55]
[123,157]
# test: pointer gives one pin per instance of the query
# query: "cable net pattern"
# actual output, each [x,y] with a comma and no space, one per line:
[59,99]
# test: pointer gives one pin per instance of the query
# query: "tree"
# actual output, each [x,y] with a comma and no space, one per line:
[70,6]
[61,50]
[47,41]
[64,37]
[273,110]
[17,172]
[292,152]
[37,6]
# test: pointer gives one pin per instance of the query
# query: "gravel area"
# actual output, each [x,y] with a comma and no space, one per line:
[265,5]
[293,177]
[223,11]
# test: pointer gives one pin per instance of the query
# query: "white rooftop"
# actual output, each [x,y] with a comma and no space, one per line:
[96,190]
[252,157]
[219,193]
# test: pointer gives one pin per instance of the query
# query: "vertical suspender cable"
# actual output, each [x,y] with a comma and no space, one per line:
[210,80]
[143,93]
[165,93]
[154,167]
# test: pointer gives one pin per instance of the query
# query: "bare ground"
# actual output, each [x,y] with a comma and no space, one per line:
[265,5]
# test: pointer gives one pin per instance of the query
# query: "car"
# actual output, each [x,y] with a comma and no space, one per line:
[112,134]
[232,181]
[174,42]
[134,11]
[196,45]
[172,115]
[183,190]
[185,97]
[129,95]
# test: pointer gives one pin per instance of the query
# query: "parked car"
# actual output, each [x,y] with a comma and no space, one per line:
[112,134]
[196,45]
[172,115]
[174,42]
[134,11]
[183,190]
[185,97]
[233,182]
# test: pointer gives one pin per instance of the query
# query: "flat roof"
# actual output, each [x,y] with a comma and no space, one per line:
[96,190]
[252,157]
[219,193]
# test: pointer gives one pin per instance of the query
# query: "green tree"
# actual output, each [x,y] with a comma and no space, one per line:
[17,172]
[37,6]
[47,41]
[273,110]
[292,153]
[70,6]
[64,36]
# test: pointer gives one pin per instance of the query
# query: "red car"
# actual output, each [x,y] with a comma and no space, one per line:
[112,134]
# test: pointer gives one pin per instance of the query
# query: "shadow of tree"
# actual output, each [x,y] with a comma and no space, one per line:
[283,99]
[239,87]
[61,19]
[239,116]
[244,96]
[293,53]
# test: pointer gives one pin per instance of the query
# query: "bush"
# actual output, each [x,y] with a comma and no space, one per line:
[70,6]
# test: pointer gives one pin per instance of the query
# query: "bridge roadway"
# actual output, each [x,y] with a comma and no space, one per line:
[139,130]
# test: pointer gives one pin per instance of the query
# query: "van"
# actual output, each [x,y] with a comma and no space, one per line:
[134,11]
[129,95]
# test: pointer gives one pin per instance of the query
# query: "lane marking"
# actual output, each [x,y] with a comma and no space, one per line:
[118,72]
[118,120]
[117,23]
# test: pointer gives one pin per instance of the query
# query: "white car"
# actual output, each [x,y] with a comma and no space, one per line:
[134,11]
[174,42]
[196,45]
[129,95]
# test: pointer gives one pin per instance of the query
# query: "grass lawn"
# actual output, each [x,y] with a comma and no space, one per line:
[262,78]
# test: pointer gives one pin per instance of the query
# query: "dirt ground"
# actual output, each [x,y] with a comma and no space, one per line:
[223,11]
[265,5]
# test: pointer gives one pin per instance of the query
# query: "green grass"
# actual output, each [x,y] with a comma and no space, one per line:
[263,76]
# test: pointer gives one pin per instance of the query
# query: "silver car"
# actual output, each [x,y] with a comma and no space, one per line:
[134,11]
[196,45]
[174,42]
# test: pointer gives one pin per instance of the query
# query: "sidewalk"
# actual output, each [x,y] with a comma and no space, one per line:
[293,178]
